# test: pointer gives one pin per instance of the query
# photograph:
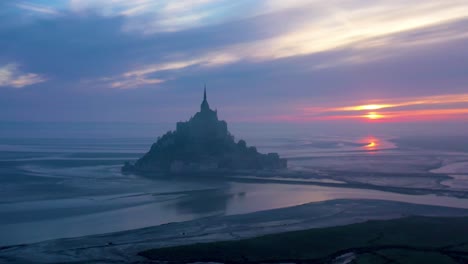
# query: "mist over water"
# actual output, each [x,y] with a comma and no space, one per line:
[64,180]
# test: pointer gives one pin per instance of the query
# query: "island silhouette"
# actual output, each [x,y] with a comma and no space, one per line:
[203,144]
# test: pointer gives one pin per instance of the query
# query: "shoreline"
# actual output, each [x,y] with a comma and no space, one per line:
[333,179]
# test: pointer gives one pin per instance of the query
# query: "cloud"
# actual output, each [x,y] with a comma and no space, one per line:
[11,76]
[347,51]
[150,17]
[335,29]
[282,54]
[42,9]
[438,107]
[129,83]
[408,102]
[299,28]
[142,75]
[367,29]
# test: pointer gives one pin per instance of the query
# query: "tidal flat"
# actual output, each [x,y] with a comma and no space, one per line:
[60,194]
[408,240]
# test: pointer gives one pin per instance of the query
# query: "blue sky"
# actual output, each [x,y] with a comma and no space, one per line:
[262,61]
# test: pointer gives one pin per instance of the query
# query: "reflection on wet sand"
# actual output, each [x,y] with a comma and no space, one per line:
[372,143]
[213,201]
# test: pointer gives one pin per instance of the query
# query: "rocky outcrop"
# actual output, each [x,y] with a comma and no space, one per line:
[203,144]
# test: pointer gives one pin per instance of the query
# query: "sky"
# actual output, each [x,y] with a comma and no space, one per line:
[263,61]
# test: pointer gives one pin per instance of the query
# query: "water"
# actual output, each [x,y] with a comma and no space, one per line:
[54,188]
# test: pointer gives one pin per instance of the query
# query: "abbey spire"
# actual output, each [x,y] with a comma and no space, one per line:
[204,106]
[204,94]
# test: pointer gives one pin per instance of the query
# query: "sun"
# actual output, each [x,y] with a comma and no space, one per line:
[373,116]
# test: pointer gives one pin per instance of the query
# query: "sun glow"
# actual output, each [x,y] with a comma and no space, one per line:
[373,116]
[440,107]
[365,107]
[408,102]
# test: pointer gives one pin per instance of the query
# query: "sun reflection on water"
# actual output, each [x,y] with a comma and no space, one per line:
[372,143]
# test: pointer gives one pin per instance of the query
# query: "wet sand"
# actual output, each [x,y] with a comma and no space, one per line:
[125,246]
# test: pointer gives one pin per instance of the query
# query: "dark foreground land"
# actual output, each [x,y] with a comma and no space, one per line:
[407,240]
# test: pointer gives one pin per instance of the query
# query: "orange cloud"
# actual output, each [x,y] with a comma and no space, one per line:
[429,100]
[404,115]
[440,107]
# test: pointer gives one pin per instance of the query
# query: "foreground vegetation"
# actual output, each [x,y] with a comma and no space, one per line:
[407,240]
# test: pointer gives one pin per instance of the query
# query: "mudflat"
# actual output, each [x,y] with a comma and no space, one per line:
[408,240]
